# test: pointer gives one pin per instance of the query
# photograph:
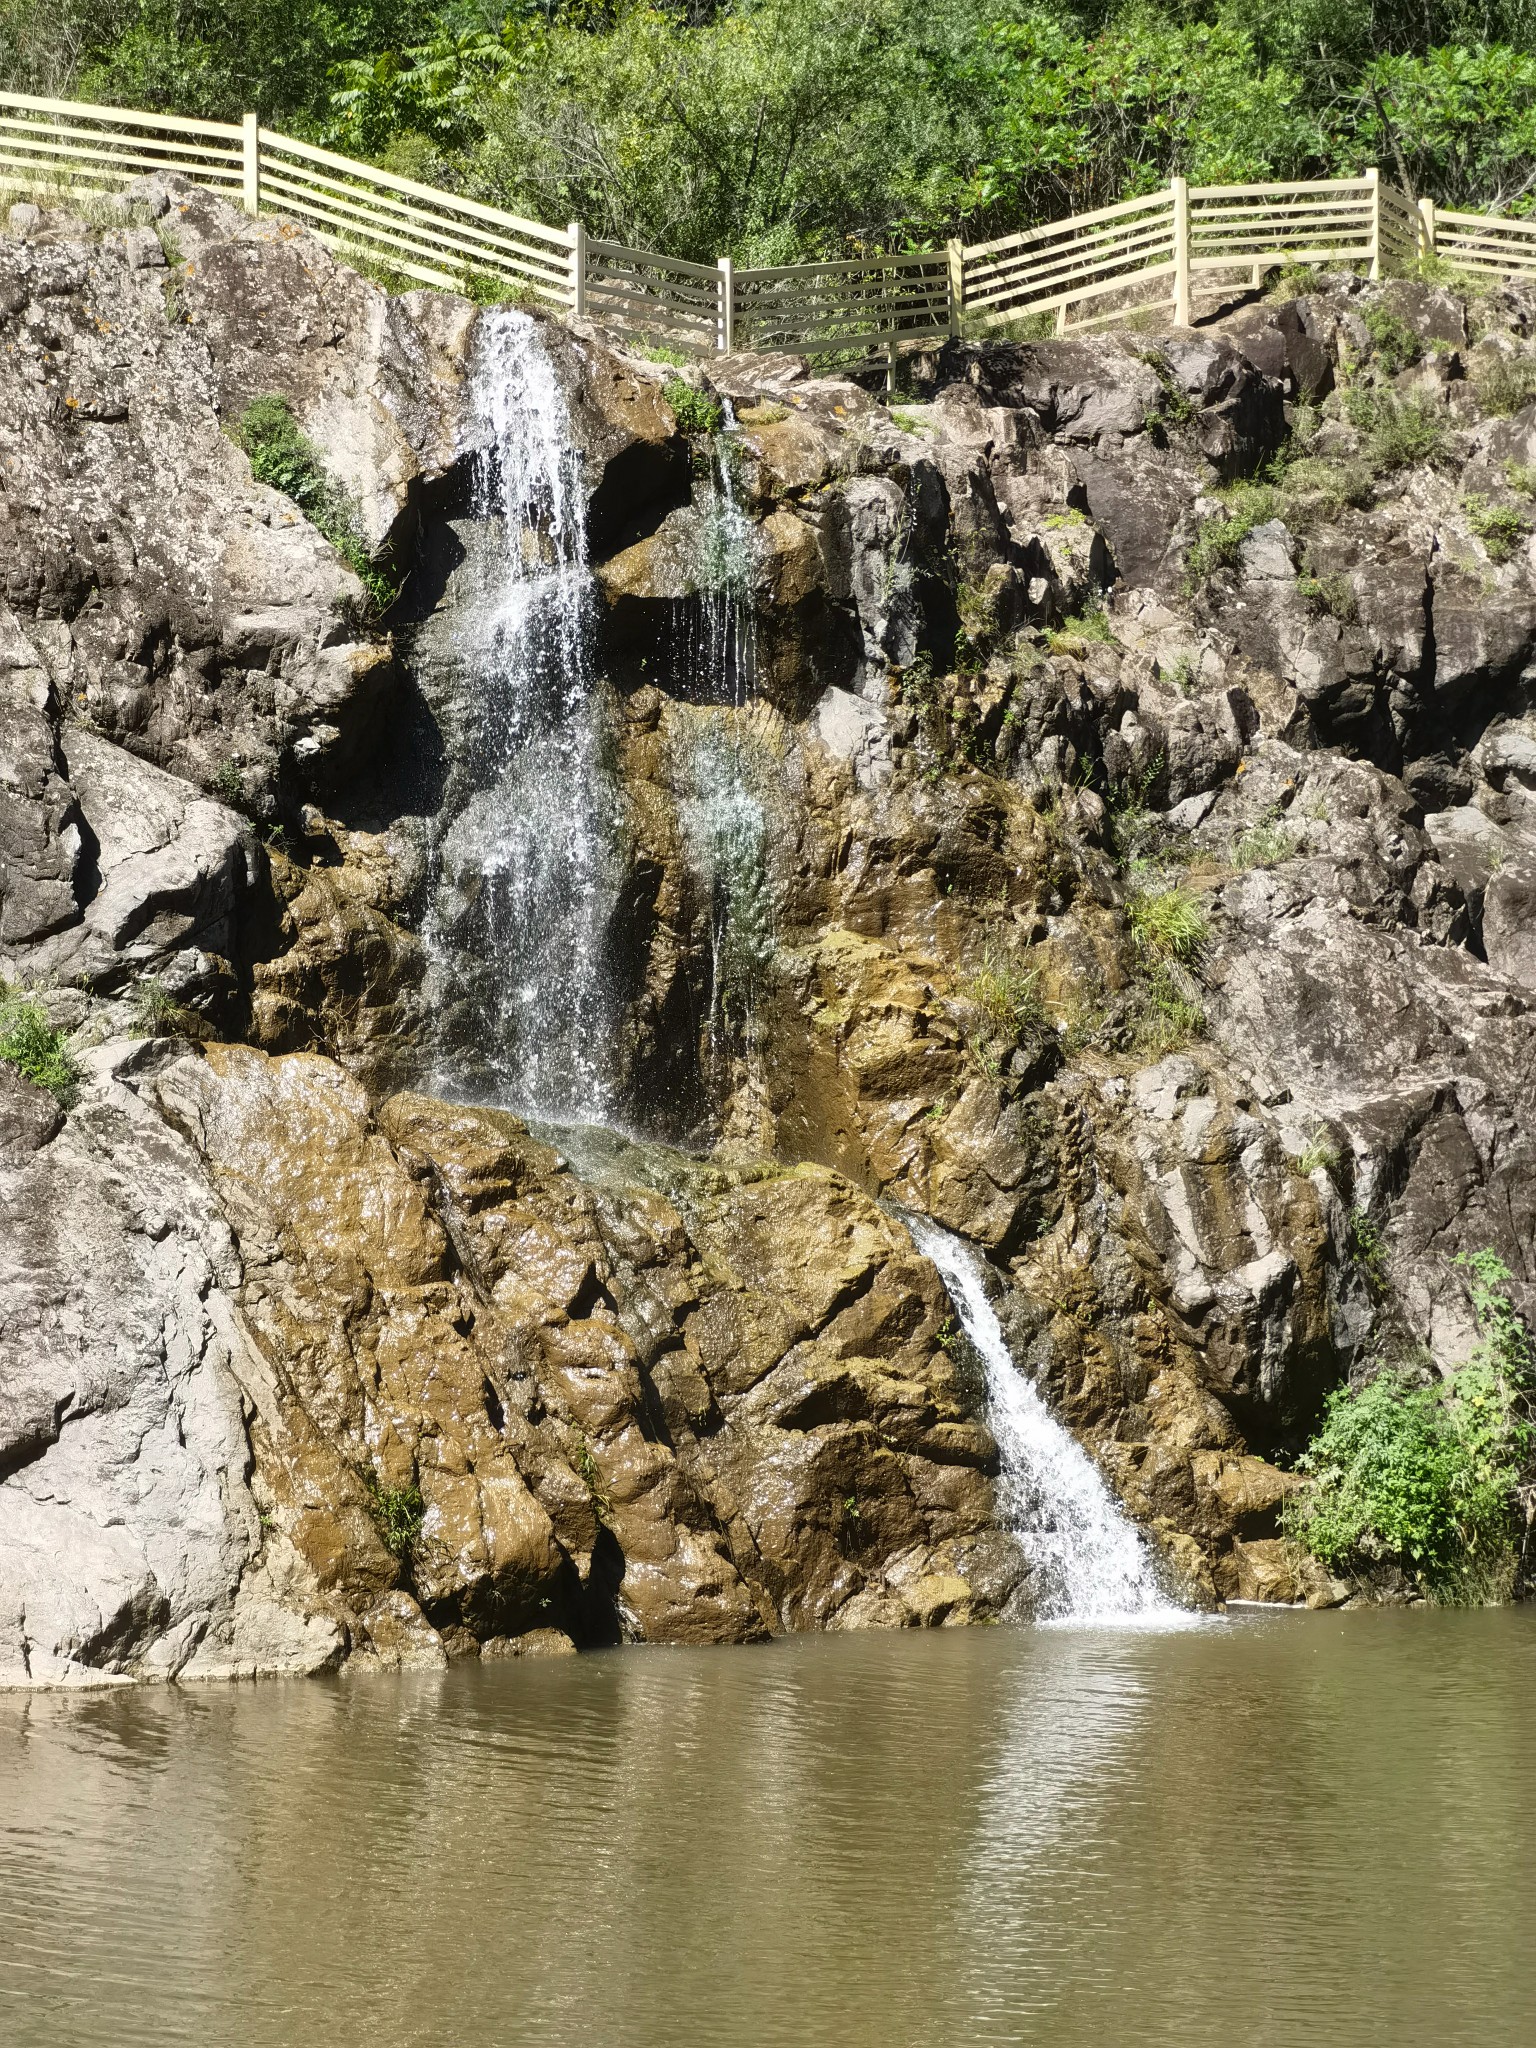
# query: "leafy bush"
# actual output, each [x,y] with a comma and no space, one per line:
[282,455]
[1315,487]
[398,1513]
[37,1050]
[1423,1475]
[1264,845]
[1504,384]
[1332,594]
[1007,994]
[1393,342]
[1399,433]
[1500,528]
[1167,923]
[1218,541]
[696,412]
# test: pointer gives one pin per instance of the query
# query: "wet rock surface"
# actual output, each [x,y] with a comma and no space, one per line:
[299,1363]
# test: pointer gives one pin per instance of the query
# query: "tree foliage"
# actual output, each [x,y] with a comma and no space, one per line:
[1422,1473]
[780,129]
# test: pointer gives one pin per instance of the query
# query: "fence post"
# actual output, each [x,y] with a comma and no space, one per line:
[1180,190]
[250,167]
[1373,178]
[578,235]
[955,250]
[725,326]
[1426,227]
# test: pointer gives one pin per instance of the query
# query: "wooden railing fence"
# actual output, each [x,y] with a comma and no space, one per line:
[1140,256]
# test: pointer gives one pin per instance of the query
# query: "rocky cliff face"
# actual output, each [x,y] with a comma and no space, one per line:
[1131,879]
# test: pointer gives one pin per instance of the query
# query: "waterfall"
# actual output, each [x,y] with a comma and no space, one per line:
[529,871]
[1089,1563]
[724,823]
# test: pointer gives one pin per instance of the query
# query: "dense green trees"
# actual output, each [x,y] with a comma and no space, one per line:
[779,128]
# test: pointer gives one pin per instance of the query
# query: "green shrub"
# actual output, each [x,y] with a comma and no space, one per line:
[1423,1475]
[1504,384]
[228,783]
[1399,433]
[1393,342]
[1316,487]
[1332,594]
[696,412]
[1218,541]
[1264,845]
[1167,923]
[398,1513]
[1500,528]
[1073,635]
[30,1044]
[282,455]
[1007,994]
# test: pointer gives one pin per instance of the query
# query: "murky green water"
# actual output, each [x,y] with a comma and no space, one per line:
[1304,1828]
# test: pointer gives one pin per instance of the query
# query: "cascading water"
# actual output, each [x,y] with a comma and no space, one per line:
[529,871]
[725,824]
[1089,1563]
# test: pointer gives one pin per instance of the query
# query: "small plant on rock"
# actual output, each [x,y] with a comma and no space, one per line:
[37,1049]
[1399,433]
[398,1513]
[1504,384]
[1500,528]
[1264,845]
[228,783]
[282,455]
[156,1013]
[1316,487]
[1218,541]
[1331,595]
[1006,994]
[1393,342]
[1168,923]
[1318,1154]
[1073,635]
[698,413]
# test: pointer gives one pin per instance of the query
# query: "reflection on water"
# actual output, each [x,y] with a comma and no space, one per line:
[1307,1828]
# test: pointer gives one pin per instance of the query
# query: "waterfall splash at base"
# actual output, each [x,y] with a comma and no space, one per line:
[1089,1566]
[529,871]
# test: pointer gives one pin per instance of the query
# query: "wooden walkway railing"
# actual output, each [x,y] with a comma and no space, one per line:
[1141,255]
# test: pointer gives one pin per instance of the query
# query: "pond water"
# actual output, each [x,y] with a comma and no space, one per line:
[1271,1829]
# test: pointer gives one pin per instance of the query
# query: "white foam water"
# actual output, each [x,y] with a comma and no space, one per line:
[1089,1565]
[529,869]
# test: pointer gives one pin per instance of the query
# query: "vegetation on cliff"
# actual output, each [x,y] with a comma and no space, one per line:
[39,1052]
[1425,1474]
[776,129]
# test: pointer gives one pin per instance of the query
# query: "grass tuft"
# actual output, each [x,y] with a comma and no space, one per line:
[35,1048]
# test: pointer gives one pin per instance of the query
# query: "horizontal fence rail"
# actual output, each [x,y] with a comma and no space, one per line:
[1076,262]
[833,305]
[432,236]
[660,297]
[60,142]
[1138,256]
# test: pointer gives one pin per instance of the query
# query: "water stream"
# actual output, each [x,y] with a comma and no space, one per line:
[530,869]
[1089,1564]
